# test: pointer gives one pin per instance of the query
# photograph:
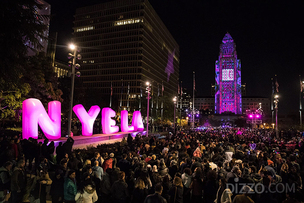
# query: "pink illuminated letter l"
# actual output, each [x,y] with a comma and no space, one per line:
[124,122]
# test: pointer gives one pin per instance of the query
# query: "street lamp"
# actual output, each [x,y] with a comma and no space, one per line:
[301,90]
[74,65]
[174,101]
[148,89]
[276,104]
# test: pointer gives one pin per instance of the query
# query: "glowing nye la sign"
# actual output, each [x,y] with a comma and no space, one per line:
[34,114]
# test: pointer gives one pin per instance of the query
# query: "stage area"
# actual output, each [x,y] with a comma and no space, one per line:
[82,142]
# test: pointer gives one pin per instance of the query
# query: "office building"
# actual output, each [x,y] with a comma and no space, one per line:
[123,44]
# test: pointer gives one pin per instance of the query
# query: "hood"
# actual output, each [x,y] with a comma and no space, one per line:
[257,178]
[89,189]
[3,169]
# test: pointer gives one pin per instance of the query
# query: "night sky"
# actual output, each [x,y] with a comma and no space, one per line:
[268,37]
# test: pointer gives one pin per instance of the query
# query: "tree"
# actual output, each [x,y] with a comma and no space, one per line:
[21,28]
[42,79]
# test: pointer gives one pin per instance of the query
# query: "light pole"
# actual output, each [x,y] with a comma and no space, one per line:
[301,90]
[276,104]
[74,65]
[174,101]
[148,89]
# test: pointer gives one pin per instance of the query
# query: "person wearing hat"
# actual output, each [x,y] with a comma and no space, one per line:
[70,187]
[270,168]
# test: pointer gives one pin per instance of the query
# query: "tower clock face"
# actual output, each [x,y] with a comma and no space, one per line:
[227,74]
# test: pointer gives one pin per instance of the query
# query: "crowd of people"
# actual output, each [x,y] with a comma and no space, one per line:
[212,165]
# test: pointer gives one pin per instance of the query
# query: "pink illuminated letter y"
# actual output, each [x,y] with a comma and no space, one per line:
[86,119]
[34,114]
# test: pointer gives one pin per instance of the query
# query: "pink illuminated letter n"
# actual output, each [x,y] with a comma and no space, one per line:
[34,114]
[86,119]
[108,124]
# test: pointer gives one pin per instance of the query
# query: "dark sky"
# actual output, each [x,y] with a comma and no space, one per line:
[268,37]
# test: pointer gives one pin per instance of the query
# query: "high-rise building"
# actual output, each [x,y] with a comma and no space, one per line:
[123,44]
[44,10]
[228,93]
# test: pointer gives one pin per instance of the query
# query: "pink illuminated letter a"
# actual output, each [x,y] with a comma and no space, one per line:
[124,122]
[108,124]
[86,119]
[34,114]
[137,121]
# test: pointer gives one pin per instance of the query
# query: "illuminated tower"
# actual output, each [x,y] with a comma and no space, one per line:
[228,94]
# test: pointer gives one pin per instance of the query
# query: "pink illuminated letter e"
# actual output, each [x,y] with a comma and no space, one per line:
[34,114]
[108,124]
[86,119]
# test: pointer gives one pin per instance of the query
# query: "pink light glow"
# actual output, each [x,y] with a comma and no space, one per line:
[108,124]
[258,116]
[124,122]
[250,116]
[86,119]
[34,114]
[137,121]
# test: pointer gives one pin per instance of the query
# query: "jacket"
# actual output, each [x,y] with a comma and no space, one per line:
[5,179]
[186,179]
[155,198]
[176,193]
[225,197]
[120,190]
[70,189]
[18,179]
[88,195]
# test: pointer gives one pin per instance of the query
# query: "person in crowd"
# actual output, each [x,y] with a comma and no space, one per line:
[57,189]
[140,192]
[106,186]
[124,164]
[98,158]
[87,195]
[119,189]
[176,191]
[244,197]
[98,174]
[223,194]
[70,187]
[197,185]
[5,178]
[39,186]
[156,197]
[187,180]
[18,182]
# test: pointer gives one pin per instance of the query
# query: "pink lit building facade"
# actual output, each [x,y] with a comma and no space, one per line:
[228,92]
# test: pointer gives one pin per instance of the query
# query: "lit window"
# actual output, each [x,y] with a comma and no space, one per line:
[85,29]
[127,21]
